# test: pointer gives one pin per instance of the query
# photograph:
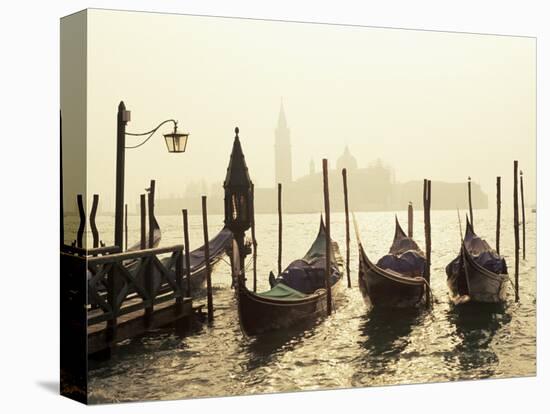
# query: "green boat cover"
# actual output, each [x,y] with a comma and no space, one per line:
[282,291]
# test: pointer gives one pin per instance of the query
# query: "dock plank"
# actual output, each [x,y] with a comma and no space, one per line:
[135,323]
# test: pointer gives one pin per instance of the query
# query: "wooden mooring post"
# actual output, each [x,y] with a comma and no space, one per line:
[470,201]
[179,281]
[151,211]
[522,214]
[254,242]
[327,237]
[149,281]
[346,209]
[207,261]
[498,214]
[516,231]
[125,227]
[61,208]
[187,251]
[142,214]
[410,220]
[280,214]
[428,235]
[82,224]
[93,226]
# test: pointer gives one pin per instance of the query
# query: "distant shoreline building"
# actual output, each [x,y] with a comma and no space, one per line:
[371,188]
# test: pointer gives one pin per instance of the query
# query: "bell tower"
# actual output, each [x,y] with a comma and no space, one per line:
[283,157]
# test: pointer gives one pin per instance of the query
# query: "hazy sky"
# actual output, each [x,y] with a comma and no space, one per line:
[431,104]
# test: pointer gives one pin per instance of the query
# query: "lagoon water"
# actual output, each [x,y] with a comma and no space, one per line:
[355,347]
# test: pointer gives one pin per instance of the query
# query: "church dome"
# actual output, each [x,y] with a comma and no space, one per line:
[346,160]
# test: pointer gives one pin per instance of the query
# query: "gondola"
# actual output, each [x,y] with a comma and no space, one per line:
[478,273]
[396,281]
[157,235]
[284,306]
[217,248]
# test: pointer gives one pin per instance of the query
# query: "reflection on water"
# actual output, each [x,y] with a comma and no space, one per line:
[476,326]
[353,347]
[385,335]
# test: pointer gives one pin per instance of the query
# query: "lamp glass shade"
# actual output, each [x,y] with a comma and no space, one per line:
[176,141]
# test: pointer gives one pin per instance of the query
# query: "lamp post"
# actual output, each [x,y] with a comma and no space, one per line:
[176,142]
[238,197]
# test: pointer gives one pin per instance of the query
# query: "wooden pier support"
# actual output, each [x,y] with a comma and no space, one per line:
[149,282]
[142,214]
[93,225]
[498,214]
[210,304]
[470,201]
[327,237]
[61,207]
[125,227]
[179,281]
[254,242]
[124,316]
[82,224]
[346,208]
[522,214]
[428,235]
[151,208]
[279,210]
[410,220]
[187,251]
[516,231]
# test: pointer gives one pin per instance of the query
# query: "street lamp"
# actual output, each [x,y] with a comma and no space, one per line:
[176,142]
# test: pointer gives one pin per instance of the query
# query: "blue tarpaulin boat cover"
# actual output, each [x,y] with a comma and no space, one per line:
[307,277]
[409,263]
[482,254]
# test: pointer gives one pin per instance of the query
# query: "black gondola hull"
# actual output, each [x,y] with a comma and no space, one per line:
[482,286]
[469,282]
[259,315]
[379,288]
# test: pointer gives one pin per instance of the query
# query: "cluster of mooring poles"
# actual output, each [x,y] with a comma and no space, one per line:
[516,224]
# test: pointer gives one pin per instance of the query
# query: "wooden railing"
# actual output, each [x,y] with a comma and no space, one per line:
[121,283]
[90,252]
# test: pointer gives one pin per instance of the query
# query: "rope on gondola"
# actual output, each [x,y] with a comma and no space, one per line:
[433,298]
[512,283]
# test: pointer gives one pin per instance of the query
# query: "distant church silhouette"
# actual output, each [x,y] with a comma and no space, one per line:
[371,188]
[283,151]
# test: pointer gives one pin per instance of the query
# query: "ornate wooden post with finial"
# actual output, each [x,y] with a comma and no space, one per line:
[238,197]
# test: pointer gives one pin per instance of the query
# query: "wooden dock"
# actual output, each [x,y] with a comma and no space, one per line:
[137,323]
[129,293]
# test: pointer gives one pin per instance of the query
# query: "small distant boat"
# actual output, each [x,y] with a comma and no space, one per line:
[478,273]
[284,305]
[396,281]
